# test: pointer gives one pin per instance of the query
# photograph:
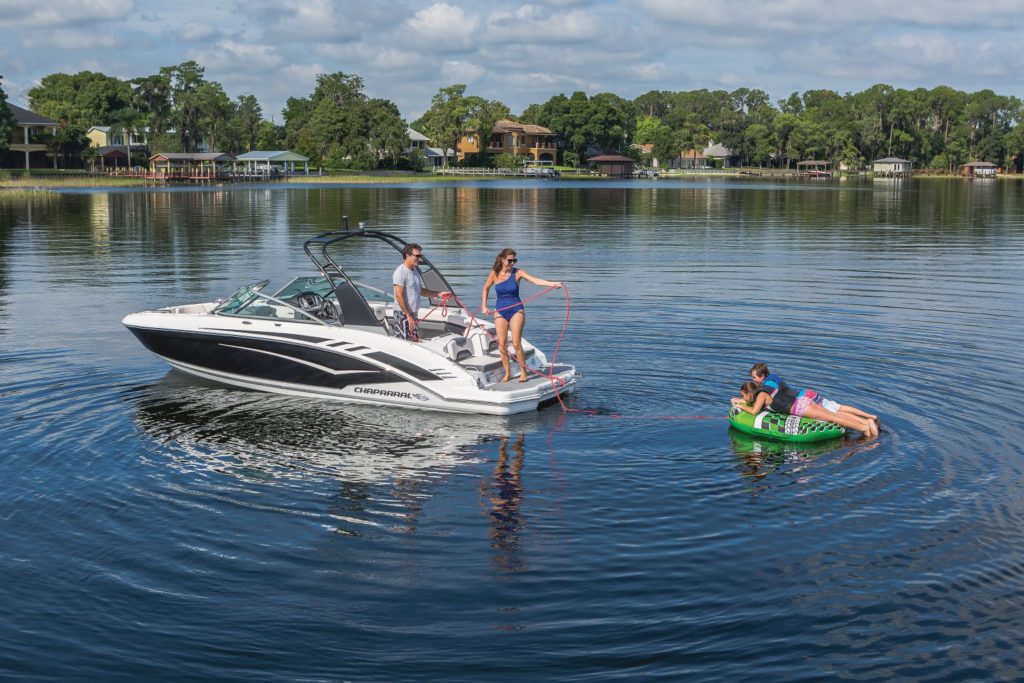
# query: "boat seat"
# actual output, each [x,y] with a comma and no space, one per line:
[483,344]
[457,348]
[380,311]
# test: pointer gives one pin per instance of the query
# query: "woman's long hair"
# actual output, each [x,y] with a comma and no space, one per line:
[500,260]
[750,388]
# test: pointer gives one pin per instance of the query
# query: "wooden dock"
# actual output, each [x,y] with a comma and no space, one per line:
[203,177]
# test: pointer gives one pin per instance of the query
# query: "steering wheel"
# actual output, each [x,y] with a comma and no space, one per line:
[329,310]
[311,302]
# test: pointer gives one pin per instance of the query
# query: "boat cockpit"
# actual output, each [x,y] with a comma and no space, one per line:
[313,299]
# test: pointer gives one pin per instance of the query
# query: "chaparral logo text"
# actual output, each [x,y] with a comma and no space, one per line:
[389,394]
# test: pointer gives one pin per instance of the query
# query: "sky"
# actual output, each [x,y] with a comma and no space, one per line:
[521,53]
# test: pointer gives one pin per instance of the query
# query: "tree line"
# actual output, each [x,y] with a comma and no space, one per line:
[338,126]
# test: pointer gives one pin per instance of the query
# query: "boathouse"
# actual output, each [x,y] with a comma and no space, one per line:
[890,167]
[612,165]
[271,163]
[189,166]
[109,156]
[980,169]
[815,168]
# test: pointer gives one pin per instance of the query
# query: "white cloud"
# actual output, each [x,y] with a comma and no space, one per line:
[197,31]
[811,17]
[71,39]
[523,51]
[33,13]
[232,57]
[462,72]
[532,25]
[650,72]
[442,24]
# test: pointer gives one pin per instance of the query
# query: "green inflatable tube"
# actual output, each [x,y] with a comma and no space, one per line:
[783,427]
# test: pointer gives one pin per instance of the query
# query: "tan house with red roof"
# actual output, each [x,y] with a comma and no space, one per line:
[512,137]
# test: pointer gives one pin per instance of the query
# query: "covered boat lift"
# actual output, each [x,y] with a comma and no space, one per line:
[279,162]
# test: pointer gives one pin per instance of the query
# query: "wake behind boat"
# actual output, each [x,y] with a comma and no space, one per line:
[328,336]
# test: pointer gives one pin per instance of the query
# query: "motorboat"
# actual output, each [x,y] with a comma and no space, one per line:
[327,335]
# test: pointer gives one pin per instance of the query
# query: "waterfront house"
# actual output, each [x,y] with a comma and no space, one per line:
[647,152]
[272,163]
[719,155]
[612,165]
[890,167]
[433,156]
[195,165]
[712,155]
[28,139]
[980,169]
[510,137]
[100,136]
[691,159]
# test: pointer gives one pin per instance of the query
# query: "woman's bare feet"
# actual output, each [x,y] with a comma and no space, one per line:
[523,377]
[506,378]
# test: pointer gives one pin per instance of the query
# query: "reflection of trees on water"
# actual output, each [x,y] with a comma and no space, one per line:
[504,496]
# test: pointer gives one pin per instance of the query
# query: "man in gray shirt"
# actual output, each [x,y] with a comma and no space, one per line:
[408,287]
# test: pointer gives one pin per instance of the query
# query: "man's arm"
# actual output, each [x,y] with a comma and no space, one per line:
[400,298]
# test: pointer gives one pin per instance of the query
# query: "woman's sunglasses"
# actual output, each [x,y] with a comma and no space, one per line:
[512,260]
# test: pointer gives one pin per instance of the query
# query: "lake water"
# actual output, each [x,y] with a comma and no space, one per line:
[156,527]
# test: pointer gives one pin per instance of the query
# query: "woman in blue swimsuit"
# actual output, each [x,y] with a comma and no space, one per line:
[508,308]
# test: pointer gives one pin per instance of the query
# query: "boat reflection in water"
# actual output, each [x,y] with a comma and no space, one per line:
[254,435]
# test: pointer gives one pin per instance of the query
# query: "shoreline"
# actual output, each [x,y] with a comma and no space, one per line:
[43,183]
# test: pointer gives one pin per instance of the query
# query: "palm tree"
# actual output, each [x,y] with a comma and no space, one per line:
[126,121]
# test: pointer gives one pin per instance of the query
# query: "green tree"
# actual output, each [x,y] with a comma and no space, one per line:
[83,99]
[1014,144]
[652,104]
[338,125]
[605,121]
[446,120]
[151,95]
[185,80]
[270,136]
[667,145]
[214,111]
[387,136]
[248,118]
[6,120]
[126,122]
[760,143]
[646,127]
[481,115]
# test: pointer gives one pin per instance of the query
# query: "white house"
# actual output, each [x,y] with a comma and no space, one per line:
[890,166]
[433,155]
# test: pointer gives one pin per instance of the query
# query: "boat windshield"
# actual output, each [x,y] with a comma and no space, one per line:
[319,285]
[241,297]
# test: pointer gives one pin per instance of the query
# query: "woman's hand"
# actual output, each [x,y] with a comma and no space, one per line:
[484,310]
[558,285]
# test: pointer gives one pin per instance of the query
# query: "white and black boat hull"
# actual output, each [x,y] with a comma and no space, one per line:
[318,363]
